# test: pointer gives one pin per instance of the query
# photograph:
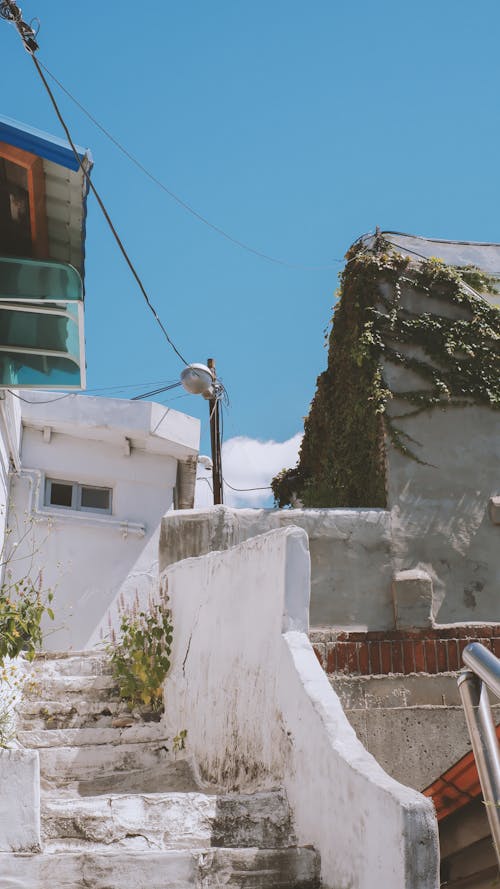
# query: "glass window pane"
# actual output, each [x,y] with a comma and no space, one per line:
[33,279]
[60,494]
[95,498]
[36,371]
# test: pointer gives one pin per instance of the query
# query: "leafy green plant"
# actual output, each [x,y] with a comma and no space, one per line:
[140,657]
[179,741]
[22,607]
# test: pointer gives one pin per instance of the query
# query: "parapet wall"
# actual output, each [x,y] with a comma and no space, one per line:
[351,564]
[260,712]
[432,559]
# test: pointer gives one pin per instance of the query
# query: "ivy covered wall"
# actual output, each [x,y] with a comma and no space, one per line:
[388,361]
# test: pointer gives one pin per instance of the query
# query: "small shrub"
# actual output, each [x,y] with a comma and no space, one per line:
[22,606]
[141,656]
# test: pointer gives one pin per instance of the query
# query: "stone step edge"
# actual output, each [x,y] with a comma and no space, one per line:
[297,867]
[121,736]
[91,848]
[68,653]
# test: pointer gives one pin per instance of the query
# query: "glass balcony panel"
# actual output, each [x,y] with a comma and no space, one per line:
[26,371]
[36,330]
[29,279]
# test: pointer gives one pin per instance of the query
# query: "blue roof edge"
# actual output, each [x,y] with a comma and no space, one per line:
[51,148]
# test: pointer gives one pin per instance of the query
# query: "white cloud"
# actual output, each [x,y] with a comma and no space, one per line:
[248,463]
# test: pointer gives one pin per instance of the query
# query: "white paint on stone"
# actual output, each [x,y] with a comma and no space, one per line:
[19,801]
[494,506]
[351,563]
[10,438]
[413,599]
[259,711]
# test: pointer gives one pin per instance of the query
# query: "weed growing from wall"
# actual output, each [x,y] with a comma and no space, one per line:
[454,349]
[140,656]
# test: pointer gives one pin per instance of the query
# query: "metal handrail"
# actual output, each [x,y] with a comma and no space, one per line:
[473,683]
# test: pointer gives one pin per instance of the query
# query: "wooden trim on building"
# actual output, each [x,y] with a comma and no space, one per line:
[36,194]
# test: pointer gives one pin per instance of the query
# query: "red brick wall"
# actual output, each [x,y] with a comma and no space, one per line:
[435,650]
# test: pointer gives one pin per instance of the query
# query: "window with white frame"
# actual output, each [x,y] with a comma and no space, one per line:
[73,495]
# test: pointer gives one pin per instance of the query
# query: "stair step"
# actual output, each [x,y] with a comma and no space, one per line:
[65,689]
[79,713]
[71,664]
[166,776]
[137,733]
[69,764]
[167,821]
[205,868]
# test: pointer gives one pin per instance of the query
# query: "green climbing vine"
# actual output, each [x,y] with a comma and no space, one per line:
[449,339]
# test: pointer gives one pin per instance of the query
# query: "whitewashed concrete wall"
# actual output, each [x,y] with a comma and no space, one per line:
[441,517]
[10,438]
[440,506]
[88,558]
[19,801]
[351,560]
[259,711]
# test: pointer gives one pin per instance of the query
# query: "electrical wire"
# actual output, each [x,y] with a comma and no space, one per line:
[50,401]
[242,490]
[224,482]
[131,386]
[203,478]
[156,391]
[91,391]
[182,203]
[106,214]
[11,11]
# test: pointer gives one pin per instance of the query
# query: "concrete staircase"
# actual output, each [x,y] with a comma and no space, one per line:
[121,811]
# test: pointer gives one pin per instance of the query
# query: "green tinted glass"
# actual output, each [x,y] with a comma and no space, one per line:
[28,279]
[38,372]
[41,325]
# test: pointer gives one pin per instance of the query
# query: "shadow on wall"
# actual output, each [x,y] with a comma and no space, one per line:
[440,512]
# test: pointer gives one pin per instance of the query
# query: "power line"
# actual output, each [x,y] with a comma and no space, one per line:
[49,401]
[243,490]
[156,391]
[120,388]
[181,201]
[165,387]
[11,12]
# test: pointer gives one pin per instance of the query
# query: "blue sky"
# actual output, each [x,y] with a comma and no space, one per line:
[296,127]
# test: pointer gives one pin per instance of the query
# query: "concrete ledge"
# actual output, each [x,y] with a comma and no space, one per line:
[19,801]
[351,565]
[494,510]
[412,596]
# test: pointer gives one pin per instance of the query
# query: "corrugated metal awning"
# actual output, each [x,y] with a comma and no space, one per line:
[66,188]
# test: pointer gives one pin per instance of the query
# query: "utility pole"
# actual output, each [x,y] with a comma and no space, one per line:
[215,442]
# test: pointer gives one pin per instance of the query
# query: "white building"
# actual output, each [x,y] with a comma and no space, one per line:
[85,483]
